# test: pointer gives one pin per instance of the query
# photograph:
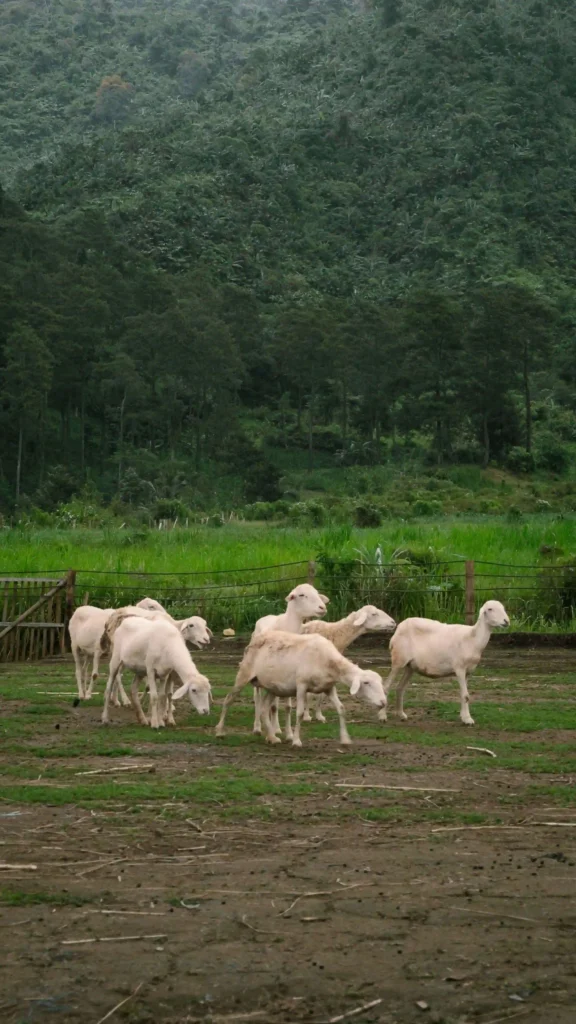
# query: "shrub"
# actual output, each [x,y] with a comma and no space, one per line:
[262,481]
[170,508]
[518,460]
[551,454]
[367,515]
[427,507]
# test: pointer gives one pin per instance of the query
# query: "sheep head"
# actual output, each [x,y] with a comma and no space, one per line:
[199,690]
[309,603]
[495,615]
[368,686]
[373,620]
[195,631]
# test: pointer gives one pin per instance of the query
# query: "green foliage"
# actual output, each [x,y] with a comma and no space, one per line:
[222,237]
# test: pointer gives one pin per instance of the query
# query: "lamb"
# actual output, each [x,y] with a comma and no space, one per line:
[303,602]
[155,649]
[436,649]
[286,664]
[368,619]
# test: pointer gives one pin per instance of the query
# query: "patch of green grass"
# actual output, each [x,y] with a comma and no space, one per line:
[560,794]
[18,898]
[223,789]
[515,717]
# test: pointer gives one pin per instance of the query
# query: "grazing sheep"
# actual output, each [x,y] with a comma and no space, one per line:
[437,649]
[288,664]
[155,649]
[368,619]
[86,628]
[303,602]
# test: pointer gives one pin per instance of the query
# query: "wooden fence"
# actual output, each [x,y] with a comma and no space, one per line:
[35,613]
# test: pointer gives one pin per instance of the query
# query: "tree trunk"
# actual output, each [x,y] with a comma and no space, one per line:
[299,412]
[344,414]
[310,434]
[121,441]
[82,432]
[527,399]
[486,440]
[19,461]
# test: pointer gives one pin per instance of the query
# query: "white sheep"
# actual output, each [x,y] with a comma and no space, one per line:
[194,630]
[155,649]
[303,602]
[368,619]
[86,628]
[287,664]
[437,649]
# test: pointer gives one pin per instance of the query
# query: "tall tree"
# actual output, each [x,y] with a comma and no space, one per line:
[26,379]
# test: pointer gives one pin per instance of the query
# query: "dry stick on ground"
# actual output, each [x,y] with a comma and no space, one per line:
[478,828]
[122,1003]
[325,892]
[18,867]
[352,1013]
[110,938]
[494,913]
[483,750]
[120,768]
[408,789]
[102,864]
[261,931]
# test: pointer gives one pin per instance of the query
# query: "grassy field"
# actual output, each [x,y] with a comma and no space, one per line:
[290,886]
[210,570]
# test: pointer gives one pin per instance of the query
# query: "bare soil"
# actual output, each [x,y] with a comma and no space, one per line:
[303,918]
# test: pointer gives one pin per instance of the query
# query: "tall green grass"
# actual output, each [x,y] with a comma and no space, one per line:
[422,586]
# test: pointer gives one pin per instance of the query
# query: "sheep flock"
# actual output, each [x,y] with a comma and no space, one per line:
[292,658]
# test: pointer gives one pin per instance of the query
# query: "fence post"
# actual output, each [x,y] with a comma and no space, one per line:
[311,572]
[70,601]
[470,607]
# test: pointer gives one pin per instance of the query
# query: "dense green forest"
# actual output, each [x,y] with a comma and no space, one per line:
[240,240]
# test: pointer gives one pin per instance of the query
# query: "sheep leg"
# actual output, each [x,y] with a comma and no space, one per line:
[121,692]
[319,702]
[267,704]
[136,700]
[404,680]
[169,711]
[300,709]
[337,703]
[115,668]
[94,676]
[307,715]
[288,728]
[80,662]
[154,699]
[465,716]
[257,727]
[242,679]
[274,706]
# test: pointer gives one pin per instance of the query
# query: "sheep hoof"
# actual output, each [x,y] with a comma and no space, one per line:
[273,739]
[296,743]
[382,716]
[467,721]
[403,716]
[320,717]
[307,717]
[218,732]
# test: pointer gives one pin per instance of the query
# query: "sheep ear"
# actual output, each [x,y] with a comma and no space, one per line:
[290,597]
[181,692]
[325,599]
[353,689]
[360,618]
[209,631]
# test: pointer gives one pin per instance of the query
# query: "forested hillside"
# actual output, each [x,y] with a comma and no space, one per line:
[232,231]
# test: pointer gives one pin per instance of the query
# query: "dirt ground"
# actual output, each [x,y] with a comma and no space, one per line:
[305,909]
